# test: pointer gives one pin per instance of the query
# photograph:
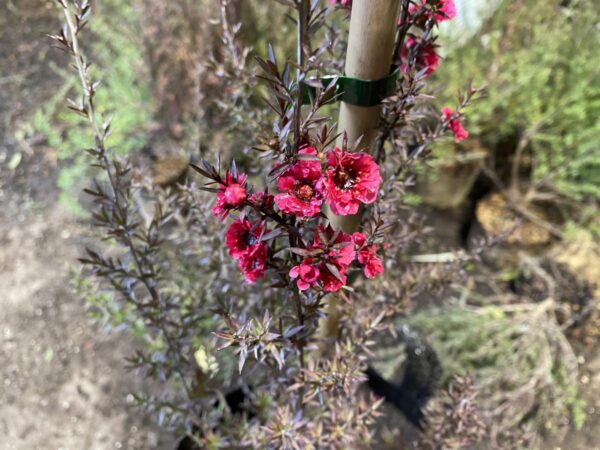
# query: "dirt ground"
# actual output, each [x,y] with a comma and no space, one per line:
[62,381]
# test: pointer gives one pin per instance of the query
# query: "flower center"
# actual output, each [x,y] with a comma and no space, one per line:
[344,179]
[250,239]
[305,192]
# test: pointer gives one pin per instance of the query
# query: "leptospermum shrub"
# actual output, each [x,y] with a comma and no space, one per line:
[228,276]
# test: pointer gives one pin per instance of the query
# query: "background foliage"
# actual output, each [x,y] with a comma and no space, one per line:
[538,61]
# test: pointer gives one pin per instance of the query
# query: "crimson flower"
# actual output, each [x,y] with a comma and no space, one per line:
[253,264]
[460,134]
[351,179]
[333,253]
[442,9]
[232,194]
[243,241]
[307,274]
[332,282]
[337,244]
[367,256]
[242,236]
[301,187]
[445,11]
[425,58]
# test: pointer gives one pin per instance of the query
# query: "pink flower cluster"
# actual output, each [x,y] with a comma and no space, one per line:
[367,256]
[330,255]
[320,257]
[426,57]
[243,239]
[420,13]
[347,181]
[339,179]
[345,3]
[455,124]
[419,50]
[440,10]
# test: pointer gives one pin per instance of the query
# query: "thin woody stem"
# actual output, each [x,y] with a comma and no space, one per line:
[404,26]
[303,15]
[303,7]
[369,56]
[277,218]
[100,144]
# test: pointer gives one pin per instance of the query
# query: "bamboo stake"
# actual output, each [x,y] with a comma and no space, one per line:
[368,57]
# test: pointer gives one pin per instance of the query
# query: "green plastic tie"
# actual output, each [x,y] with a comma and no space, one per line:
[353,90]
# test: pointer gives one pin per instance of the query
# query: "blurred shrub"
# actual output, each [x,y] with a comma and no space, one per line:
[524,366]
[539,62]
[125,84]
[159,61]
[176,36]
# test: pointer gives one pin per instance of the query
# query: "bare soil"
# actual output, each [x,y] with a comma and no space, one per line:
[62,381]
